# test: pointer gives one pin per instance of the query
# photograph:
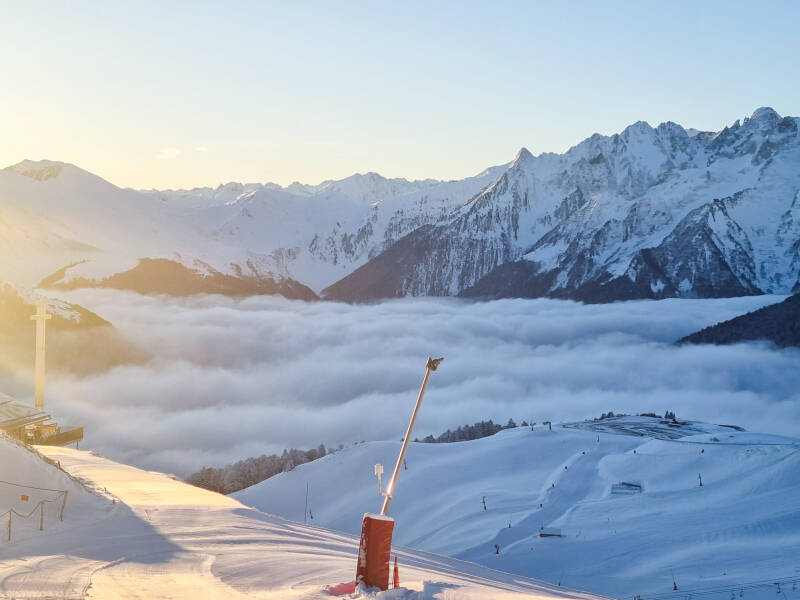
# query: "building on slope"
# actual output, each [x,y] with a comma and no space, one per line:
[33,426]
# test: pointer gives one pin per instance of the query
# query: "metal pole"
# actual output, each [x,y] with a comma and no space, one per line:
[430,366]
[41,516]
[9,525]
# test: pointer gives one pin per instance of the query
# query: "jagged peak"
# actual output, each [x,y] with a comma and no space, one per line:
[671,133]
[637,127]
[42,170]
[370,176]
[672,126]
[36,164]
[232,186]
[765,113]
[522,158]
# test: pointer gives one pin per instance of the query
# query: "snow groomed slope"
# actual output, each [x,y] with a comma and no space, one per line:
[741,526]
[146,535]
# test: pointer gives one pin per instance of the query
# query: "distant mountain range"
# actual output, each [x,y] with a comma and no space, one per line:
[647,213]
[63,227]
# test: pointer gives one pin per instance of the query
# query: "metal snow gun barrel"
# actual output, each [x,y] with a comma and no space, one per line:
[375,549]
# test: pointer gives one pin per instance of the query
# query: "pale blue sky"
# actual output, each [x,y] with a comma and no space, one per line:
[178,94]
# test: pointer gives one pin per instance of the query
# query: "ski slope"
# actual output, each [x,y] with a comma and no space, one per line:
[742,525]
[138,534]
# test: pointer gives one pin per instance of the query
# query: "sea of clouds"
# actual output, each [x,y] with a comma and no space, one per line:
[233,378]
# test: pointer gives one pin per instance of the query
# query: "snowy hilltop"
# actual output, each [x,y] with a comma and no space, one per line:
[614,506]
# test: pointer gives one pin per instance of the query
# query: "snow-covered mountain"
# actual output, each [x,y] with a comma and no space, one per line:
[321,233]
[619,497]
[647,213]
[68,228]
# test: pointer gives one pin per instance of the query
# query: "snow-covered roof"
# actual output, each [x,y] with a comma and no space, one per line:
[15,414]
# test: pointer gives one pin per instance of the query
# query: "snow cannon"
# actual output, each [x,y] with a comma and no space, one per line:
[375,547]
[375,550]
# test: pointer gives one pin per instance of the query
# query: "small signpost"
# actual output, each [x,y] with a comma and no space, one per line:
[378,470]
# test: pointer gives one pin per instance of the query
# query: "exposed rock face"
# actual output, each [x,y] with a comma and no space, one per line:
[648,213]
[162,276]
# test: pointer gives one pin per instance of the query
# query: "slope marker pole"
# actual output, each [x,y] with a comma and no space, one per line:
[305,514]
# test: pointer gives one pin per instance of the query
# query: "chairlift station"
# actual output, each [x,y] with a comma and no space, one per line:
[31,424]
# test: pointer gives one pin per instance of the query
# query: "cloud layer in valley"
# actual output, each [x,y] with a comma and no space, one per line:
[232,378]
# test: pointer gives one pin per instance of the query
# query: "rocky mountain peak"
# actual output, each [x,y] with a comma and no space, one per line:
[637,128]
[40,170]
[765,113]
[522,159]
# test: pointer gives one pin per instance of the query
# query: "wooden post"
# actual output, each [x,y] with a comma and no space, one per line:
[9,525]
[41,515]
[63,506]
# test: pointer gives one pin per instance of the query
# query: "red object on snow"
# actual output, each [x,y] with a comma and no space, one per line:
[342,589]
[396,578]
[375,551]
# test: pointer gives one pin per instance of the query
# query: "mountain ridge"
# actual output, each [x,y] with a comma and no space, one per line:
[650,212]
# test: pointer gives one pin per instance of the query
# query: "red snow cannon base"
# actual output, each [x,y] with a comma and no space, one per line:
[375,551]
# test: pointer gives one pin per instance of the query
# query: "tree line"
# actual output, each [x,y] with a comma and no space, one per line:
[478,430]
[250,471]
